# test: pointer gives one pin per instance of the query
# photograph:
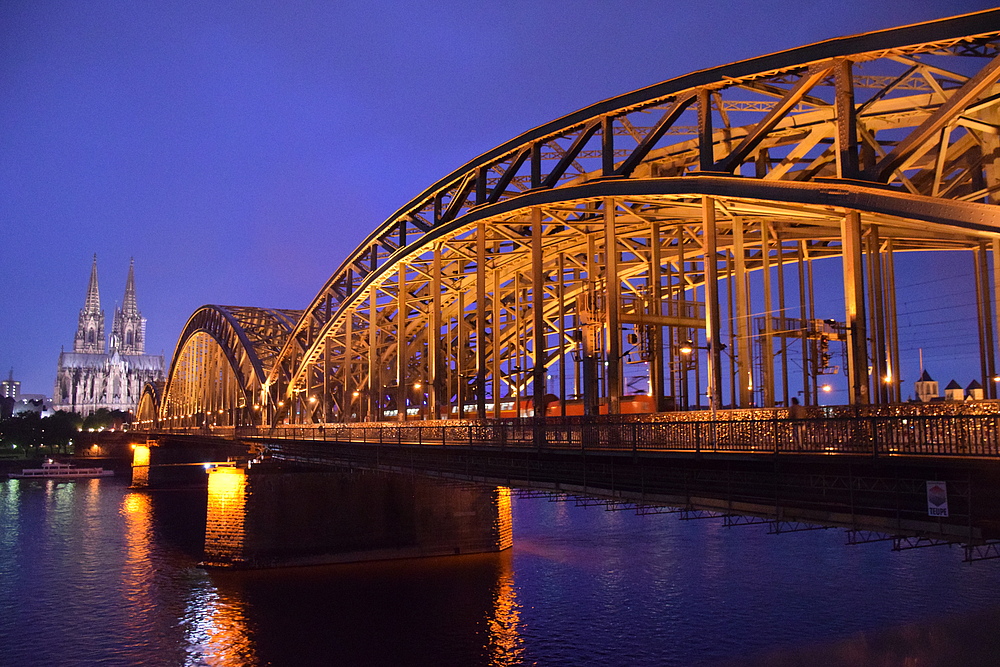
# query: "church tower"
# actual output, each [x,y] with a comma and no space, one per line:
[88,379]
[90,329]
[128,330]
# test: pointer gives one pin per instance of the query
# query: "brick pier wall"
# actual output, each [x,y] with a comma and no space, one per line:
[275,517]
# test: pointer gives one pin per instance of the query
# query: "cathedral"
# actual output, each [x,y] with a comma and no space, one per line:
[95,375]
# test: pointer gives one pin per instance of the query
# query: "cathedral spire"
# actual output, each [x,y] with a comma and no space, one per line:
[90,328]
[93,302]
[128,330]
[129,308]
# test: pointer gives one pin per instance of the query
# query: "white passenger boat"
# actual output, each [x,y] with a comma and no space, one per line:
[55,470]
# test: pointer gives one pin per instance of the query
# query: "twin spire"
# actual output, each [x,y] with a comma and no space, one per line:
[128,329]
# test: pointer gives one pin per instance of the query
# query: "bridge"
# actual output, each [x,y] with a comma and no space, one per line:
[659,273]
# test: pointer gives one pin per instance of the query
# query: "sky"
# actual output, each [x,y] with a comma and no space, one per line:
[238,151]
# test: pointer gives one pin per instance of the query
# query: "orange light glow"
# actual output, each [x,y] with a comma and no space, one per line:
[505,641]
[226,514]
[140,457]
[140,465]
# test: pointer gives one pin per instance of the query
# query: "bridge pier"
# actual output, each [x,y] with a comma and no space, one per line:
[176,461]
[273,516]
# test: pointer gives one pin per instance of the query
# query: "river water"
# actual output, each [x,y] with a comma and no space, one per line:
[95,573]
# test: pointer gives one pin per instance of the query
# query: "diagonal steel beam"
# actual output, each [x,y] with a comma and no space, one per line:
[812,76]
[908,147]
[556,173]
[666,122]
[508,175]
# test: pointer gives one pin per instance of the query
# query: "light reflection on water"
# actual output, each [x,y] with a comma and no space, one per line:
[101,574]
[215,629]
[507,647]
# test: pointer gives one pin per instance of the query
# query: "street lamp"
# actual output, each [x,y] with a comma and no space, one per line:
[687,348]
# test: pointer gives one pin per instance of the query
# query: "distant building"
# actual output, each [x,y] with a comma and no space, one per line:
[10,388]
[39,403]
[926,388]
[88,378]
[974,392]
[954,392]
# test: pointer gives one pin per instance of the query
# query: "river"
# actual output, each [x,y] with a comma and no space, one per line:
[95,573]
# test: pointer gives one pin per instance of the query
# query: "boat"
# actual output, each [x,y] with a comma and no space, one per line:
[56,470]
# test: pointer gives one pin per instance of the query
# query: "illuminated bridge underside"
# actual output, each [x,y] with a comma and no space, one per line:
[593,248]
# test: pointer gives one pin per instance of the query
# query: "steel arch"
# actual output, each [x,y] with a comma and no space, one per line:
[147,411]
[900,120]
[248,340]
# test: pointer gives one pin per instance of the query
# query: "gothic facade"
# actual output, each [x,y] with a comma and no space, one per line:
[108,375]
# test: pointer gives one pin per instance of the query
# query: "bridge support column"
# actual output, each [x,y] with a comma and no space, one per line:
[876,318]
[481,368]
[374,367]
[588,328]
[537,315]
[984,302]
[262,517]
[744,362]
[656,353]
[767,338]
[854,304]
[712,329]
[402,308]
[611,292]
[992,389]
[436,390]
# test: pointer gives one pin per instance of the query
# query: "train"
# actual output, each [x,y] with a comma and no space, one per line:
[525,407]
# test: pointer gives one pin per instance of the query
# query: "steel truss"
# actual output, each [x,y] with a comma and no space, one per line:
[220,365]
[615,235]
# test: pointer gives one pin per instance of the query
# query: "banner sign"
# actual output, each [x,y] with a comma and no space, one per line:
[937,499]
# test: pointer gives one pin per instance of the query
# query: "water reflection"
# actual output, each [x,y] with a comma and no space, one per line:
[215,628]
[107,575]
[137,572]
[963,641]
[505,643]
[10,536]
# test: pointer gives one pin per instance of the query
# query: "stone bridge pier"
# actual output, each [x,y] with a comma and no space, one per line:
[268,514]
[265,515]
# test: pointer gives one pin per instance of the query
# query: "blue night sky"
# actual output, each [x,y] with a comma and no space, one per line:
[240,150]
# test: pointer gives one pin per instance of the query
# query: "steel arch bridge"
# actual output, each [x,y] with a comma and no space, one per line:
[670,231]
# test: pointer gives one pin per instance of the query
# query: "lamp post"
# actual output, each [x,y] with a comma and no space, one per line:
[418,387]
[687,348]
[355,395]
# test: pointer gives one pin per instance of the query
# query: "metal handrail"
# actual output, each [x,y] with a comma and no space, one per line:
[923,435]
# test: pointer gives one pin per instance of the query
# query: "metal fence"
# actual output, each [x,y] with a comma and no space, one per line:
[938,435]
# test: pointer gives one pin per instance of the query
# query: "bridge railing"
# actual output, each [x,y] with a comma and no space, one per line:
[941,435]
